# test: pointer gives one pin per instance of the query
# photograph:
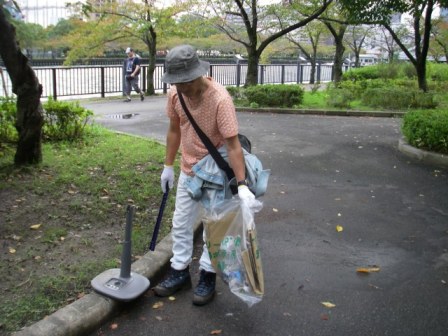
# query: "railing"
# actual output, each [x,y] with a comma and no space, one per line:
[108,80]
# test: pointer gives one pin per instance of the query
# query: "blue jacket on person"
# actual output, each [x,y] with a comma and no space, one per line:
[211,186]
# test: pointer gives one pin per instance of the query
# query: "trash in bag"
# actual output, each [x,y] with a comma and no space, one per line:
[231,239]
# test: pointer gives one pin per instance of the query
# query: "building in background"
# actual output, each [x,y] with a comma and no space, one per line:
[44,12]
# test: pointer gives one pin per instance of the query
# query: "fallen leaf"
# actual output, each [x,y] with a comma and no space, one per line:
[172,298]
[113,326]
[287,314]
[339,228]
[37,258]
[62,238]
[328,304]
[367,269]
[274,209]
[157,305]
[444,282]
[12,250]
[159,318]
[216,332]
[35,226]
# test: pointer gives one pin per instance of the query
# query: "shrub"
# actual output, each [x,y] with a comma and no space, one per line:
[234,91]
[437,72]
[64,120]
[341,97]
[398,98]
[8,132]
[427,130]
[274,95]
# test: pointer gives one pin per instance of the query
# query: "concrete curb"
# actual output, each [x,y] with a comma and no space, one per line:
[422,155]
[89,312]
[342,113]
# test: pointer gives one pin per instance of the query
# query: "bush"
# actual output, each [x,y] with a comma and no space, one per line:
[274,95]
[398,98]
[427,130]
[235,92]
[341,97]
[437,72]
[8,132]
[64,120]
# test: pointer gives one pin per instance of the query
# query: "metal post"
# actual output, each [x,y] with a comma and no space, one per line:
[55,95]
[319,68]
[261,74]
[126,257]
[144,70]
[283,74]
[238,73]
[102,83]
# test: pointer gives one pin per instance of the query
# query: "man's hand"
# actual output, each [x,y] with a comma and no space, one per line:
[167,176]
[246,195]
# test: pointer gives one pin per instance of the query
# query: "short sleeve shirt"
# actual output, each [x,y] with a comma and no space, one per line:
[215,115]
[131,64]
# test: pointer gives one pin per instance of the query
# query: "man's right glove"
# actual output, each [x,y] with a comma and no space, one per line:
[167,176]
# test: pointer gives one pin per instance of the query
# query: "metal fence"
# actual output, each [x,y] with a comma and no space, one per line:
[94,81]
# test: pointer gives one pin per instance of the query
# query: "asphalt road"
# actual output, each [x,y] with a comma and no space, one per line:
[326,171]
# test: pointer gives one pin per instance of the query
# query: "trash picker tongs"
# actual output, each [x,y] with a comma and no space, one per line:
[152,245]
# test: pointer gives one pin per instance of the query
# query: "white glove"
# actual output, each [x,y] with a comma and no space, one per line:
[167,176]
[246,195]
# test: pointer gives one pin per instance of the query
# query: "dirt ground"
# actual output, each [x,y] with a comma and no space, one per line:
[42,237]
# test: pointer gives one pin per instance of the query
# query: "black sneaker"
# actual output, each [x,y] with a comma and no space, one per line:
[142,97]
[174,281]
[205,290]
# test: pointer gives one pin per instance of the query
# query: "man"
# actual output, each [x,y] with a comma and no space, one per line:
[212,108]
[132,70]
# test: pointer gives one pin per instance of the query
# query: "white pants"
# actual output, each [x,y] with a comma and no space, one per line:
[186,214]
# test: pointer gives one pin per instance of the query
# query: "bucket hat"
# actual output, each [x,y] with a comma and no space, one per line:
[182,64]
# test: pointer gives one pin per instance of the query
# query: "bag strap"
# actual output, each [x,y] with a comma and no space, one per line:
[222,164]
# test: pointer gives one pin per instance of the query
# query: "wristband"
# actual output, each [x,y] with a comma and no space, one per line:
[242,183]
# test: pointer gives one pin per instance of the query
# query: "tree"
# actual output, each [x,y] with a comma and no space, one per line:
[255,26]
[440,38]
[307,39]
[356,39]
[380,11]
[25,85]
[128,22]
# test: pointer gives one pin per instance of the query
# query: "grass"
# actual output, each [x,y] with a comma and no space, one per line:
[77,197]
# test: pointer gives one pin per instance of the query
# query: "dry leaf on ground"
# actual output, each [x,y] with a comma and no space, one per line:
[328,304]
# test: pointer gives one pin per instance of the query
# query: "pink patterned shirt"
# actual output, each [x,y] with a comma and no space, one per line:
[215,115]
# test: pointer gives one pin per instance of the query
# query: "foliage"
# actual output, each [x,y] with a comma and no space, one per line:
[340,97]
[274,95]
[8,132]
[427,129]
[396,98]
[62,120]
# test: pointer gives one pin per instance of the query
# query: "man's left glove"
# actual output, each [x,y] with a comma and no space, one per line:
[246,195]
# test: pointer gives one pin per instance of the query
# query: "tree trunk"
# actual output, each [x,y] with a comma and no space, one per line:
[339,56]
[25,85]
[421,75]
[252,68]
[150,90]
[313,71]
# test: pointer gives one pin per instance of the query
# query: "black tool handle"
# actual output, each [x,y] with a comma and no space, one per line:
[152,245]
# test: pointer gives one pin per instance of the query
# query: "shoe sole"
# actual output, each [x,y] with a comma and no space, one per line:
[203,300]
[164,292]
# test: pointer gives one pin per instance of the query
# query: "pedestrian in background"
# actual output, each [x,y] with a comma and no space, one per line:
[213,110]
[132,70]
